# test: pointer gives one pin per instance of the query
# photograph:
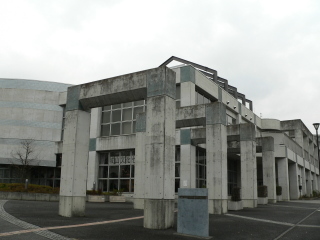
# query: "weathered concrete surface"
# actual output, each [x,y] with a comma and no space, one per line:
[283,178]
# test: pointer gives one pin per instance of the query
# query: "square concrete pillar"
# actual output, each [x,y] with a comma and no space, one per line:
[74,163]
[249,192]
[294,182]
[303,181]
[315,182]
[217,164]
[187,161]
[269,168]
[308,182]
[283,178]
[140,162]
[160,149]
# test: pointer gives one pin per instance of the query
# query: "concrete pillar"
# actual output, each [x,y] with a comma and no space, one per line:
[303,181]
[187,161]
[74,163]
[93,161]
[188,94]
[315,182]
[160,149]
[309,182]
[217,164]
[294,182]
[249,192]
[283,178]
[269,168]
[140,162]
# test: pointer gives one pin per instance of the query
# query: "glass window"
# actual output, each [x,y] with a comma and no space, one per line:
[115,129]
[116,116]
[138,103]
[105,130]
[116,106]
[126,127]
[127,114]
[106,117]
[136,111]
[106,108]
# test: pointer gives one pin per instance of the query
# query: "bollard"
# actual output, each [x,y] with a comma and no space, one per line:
[193,214]
[26,184]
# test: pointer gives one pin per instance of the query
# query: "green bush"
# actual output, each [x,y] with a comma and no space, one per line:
[236,194]
[316,193]
[279,190]
[32,188]
[262,191]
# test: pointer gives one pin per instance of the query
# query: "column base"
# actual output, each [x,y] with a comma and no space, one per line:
[250,203]
[272,200]
[158,213]
[72,206]
[218,206]
[138,203]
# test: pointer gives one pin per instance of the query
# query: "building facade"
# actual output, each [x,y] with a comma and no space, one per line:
[152,132]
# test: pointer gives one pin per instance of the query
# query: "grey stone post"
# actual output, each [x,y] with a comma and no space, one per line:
[74,157]
[269,168]
[217,164]
[160,149]
[315,182]
[303,181]
[308,182]
[140,162]
[187,161]
[294,182]
[248,165]
[283,178]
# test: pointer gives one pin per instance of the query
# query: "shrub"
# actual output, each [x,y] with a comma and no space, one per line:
[32,188]
[316,193]
[236,194]
[279,190]
[262,191]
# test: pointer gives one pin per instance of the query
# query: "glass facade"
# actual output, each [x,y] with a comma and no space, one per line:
[177,169]
[120,119]
[232,175]
[201,168]
[116,171]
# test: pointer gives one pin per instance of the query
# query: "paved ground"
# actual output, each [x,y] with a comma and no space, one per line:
[113,221]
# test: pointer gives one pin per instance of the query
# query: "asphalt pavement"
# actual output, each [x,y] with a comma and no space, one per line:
[36,220]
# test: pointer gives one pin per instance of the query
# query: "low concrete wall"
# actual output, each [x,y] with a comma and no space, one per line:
[29,196]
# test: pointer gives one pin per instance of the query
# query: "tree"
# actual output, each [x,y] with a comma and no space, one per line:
[25,158]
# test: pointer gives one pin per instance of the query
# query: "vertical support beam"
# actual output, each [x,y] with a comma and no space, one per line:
[188,94]
[217,164]
[93,161]
[309,182]
[160,149]
[283,178]
[187,161]
[269,168]
[315,182]
[140,162]
[248,165]
[303,181]
[294,182]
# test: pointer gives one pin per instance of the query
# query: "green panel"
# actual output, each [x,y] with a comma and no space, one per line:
[216,113]
[92,144]
[141,122]
[187,74]
[185,136]
[73,98]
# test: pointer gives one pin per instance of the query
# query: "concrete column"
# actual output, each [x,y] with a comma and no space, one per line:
[93,170]
[315,182]
[187,161]
[283,178]
[74,163]
[303,181]
[160,149]
[248,165]
[294,182]
[269,168]
[217,164]
[140,162]
[308,182]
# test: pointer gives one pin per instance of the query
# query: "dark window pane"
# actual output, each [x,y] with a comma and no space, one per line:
[133,126]
[129,104]
[103,172]
[125,171]
[177,170]
[127,114]
[178,92]
[126,128]
[115,129]
[106,108]
[105,130]
[116,106]
[176,184]
[116,116]
[104,158]
[138,103]
[132,171]
[136,111]
[113,185]
[106,117]
[114,171]
[124,185]
[103,185]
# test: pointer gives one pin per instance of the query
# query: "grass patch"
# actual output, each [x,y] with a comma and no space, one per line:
[32,188]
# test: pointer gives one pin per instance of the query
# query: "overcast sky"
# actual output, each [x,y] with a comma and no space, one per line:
[268,49]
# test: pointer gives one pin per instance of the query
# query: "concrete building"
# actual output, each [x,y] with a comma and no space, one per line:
[154,131]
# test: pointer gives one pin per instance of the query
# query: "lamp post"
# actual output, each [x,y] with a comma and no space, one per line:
[316,126]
